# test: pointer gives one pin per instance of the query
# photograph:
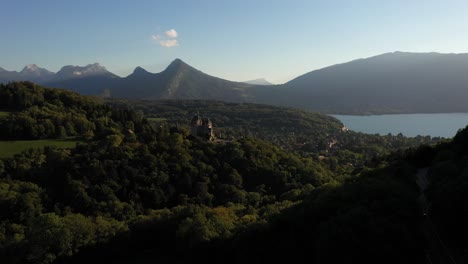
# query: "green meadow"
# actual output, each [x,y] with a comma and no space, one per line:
[3,114]
[10,148]
[156,119]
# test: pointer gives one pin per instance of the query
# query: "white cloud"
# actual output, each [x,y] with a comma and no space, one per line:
[171,33]
[169,43]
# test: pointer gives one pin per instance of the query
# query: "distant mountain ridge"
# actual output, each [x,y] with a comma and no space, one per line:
[178,81]
[32,72]
[260,81]
[396,82]
[69,71]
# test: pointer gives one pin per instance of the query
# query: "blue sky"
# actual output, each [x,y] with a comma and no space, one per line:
[236,40]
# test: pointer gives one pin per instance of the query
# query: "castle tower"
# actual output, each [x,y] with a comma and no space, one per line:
[195,124]
[201,127]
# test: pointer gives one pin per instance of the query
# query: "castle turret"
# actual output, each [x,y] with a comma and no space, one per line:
[207,123]
[194,124]
[201,127]
[196,121]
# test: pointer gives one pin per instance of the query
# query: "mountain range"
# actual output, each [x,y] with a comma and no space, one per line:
[178,81]
[260,81]
[29,73]
[396,82]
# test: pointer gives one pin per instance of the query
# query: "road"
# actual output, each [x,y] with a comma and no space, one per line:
[436,250]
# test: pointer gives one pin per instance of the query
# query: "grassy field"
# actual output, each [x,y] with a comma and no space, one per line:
[3,114]
[156,119]
[10,148]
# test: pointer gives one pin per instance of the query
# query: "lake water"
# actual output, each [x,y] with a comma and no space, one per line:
[434,125]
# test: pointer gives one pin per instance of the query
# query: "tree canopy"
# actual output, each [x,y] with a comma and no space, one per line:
[136,189]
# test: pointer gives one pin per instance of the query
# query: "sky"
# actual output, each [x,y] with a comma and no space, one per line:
[237,40]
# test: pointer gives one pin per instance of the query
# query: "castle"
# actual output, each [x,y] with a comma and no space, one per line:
[201,127]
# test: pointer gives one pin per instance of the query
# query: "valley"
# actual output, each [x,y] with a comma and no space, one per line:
[138,186]
[319,132]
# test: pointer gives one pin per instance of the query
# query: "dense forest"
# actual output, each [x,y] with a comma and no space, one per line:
[305,132]
[447,192]
[141,190]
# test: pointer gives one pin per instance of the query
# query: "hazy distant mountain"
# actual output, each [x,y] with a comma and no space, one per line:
[139,84]
[260,81]
[33,73]
[30,72]
[398,82]
[178,81]
[39,75]
[388,83]
[70,72]
[92,79]
[7,76]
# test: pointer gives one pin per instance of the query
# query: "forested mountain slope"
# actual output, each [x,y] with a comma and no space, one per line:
[178,81]
[397,82]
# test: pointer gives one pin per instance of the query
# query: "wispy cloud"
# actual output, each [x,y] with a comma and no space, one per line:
[168,43]
[171,33]
[168,40]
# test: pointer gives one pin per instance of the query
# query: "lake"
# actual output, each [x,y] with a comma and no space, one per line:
[434,125]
